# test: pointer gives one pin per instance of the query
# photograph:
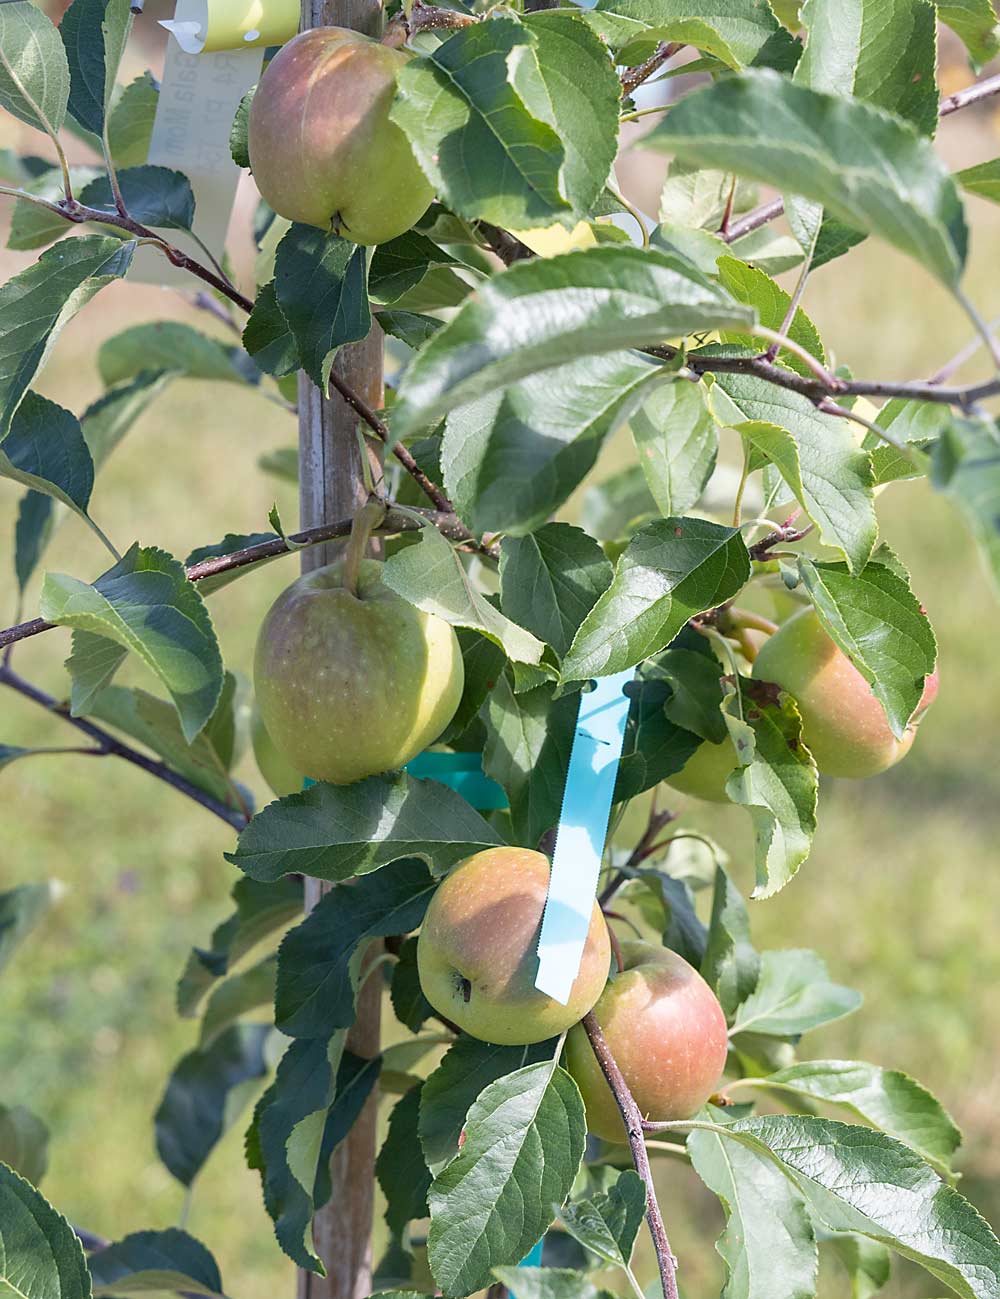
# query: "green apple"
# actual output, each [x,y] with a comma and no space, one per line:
[322,148]
[477,954]
[352,685]
[667,1033]
[843,724]
[279,773]
[705,773]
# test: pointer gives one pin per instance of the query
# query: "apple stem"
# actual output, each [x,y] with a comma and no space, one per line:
[365,522]
[632,1118]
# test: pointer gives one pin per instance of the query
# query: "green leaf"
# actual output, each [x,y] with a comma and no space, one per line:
[468,1069]
[775,780]
[24,1142]
[879,624]
[670,571]
[266,335]
[816,455]
[169,345]
[237,996]
[239,147]
[400,1168]
[696,692]
[870,170]
[655,747]
[739,33]
[130,122]
[483,662]
[335,831]
[524,321]
[410,327]
[983,180]
[155,1261]
[409,1004]
[889,1100]
[318,1092]
[94,33]
[528,740]
[668,905]
[204,1095]
[793,994]
[524,1140]
[431,575]
[551,579]
[46,451]
[884,53]
[615,508]
[753,286]
[146,605]
[106,420]
[32,531]
[91,666]
[484,149]
[916,425]
[966,467]
[156,196]
[731,965]
[154,723]
[867,1262]
[677,441]
[512,458]
[261,910]
[580,98]
[768,1246]
[21,909]
[319,960]
[34,74]
[35,226]
[37,303]
[548,1283]
[974,22]
[319,284]
[40,1256]
[401,264]
[230,543]
[607,1223]
[858,1180]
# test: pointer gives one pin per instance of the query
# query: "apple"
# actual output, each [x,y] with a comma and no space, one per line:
[350,685]
[667,1032]
[322,148]
[705,773]
[279,773]
[843,724]
[477,953]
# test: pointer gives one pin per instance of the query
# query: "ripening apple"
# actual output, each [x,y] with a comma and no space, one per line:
[477,954]
[843,723]
[667,1032]
[352,685]
[322,148]
[705,773]
[272,764]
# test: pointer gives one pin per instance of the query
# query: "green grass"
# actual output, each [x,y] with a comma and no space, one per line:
[899,894]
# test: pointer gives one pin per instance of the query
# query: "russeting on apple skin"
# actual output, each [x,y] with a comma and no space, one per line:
[477,954]
[349,685]
[667,1032]
[322,148]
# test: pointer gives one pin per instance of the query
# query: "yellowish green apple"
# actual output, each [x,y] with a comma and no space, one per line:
[279,773]
[477,954]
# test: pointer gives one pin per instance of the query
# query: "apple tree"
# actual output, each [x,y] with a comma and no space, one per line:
[461,307]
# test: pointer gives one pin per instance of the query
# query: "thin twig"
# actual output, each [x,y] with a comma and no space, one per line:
[970,95]
[642,850]
[632,1118]
[632,78]
[110,746]
[960,357]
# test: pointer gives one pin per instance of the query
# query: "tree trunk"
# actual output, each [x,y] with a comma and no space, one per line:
[331,486]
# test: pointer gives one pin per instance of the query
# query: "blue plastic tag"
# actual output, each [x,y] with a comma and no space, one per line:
[583,827]
[462,772]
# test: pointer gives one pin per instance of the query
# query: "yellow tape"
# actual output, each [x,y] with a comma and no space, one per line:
[207,26]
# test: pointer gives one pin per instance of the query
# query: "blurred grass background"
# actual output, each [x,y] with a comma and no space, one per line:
[900,894]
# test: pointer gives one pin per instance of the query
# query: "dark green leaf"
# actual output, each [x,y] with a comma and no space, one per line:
[319,283]
[671,570]
[266,335]
[230,543]
[34,76]
[793,994]
[607,1223]
[695,692]
[655,747]
[199,1103]
[335,831]
[483,661]
[523,321]
[31,535]
[401,264]
[94,33]
[400,1168]
[40,1256]
[170,345]
[91,666]
[156,196]
[677,443]
[238,145]
[21,909]
[146,605]
[739,33]
[409,1004]
[551,579]
[151,1261]
[731,963]
[410,327]
[237,996]
[46,451]
[319,960]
